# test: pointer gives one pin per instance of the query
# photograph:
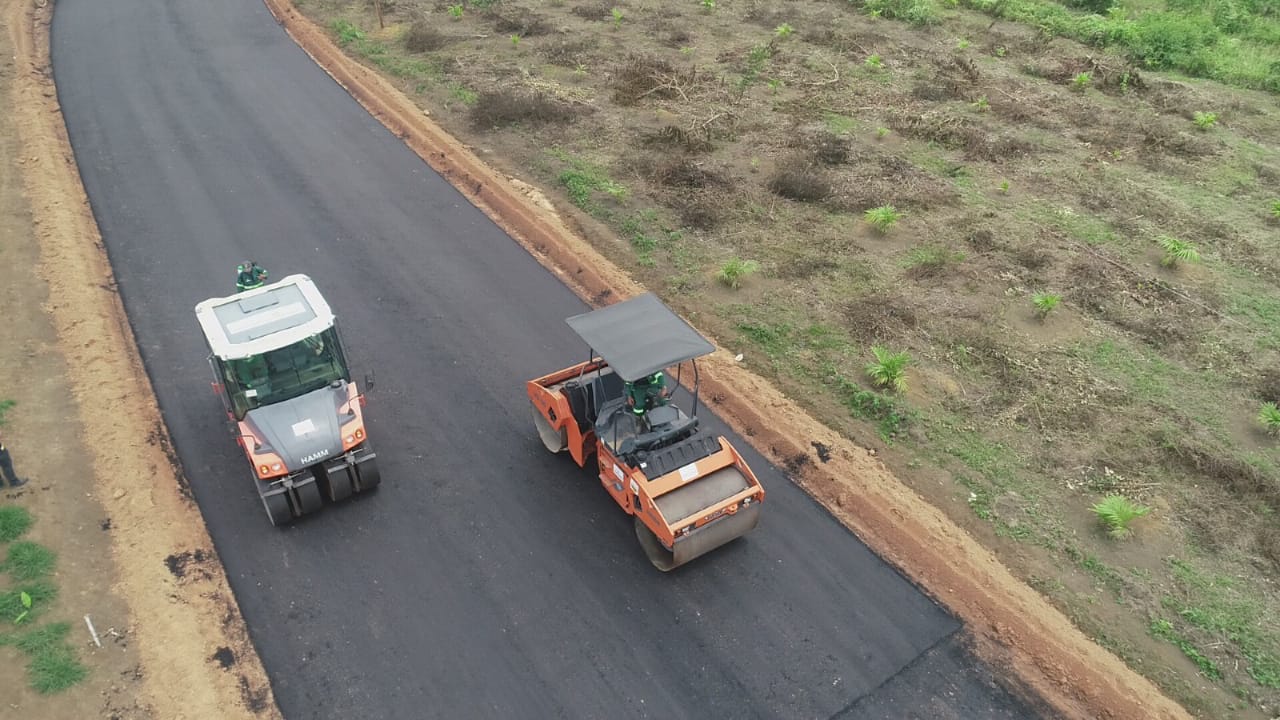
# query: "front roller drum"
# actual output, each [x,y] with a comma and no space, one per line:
[697,542]
[555,440]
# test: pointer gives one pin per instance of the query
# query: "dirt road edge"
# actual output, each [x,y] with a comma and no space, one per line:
[182,617]
[1013,625]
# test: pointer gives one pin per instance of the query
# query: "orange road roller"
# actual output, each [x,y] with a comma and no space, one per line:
[687,488]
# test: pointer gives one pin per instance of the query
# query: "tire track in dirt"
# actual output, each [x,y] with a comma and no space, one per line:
[183,621]
[1013,626]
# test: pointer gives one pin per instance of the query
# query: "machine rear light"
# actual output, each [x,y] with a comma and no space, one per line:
[349,439]
[263,470]
[359,433]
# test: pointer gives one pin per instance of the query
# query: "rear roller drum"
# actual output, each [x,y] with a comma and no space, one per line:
[555,440]
[659,555]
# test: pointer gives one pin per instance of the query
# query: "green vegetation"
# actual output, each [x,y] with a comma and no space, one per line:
[1176,251]
[1117,513]
[14,522]
[915,12]
[455,11]
[52,664]
[1217,605]
[1045,303]
[882,218]
[583,180]
[28,561]
[874,62]
[1275,209]
[1081,80]
[1163,629]
[1269,416]
[1234,41]
[783,31]
[353,38]
[734,271]
[1205,120]
[889,369]
[931,260]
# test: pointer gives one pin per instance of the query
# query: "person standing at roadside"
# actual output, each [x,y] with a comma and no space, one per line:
[6,467]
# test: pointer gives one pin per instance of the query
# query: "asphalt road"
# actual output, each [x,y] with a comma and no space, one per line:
[486,578]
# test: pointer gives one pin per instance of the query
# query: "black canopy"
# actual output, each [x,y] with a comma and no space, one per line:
[639,337]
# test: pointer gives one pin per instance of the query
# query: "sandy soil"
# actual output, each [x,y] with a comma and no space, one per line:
[106,492]
[1014,626]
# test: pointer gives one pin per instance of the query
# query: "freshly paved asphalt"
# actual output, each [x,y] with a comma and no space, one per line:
[486,578]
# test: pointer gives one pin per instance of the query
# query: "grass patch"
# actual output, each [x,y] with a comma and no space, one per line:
[1232,42]
[14,522]
[29,561]
[1163,629]
[11,605]
[351,37]
[53,665]
[1217,605]
[585,183]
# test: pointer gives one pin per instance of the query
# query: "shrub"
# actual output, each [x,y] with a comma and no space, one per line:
[1045,303]
[734,271]
[423,36]
[797,180]
[882,218]
[1117,512]
[1094,6]
[1170,40]
[497,108]
[1269,416]
[1176,251]
[889,369]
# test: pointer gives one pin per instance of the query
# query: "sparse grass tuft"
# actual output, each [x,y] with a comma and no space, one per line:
[1117,513]
[889,369]
[14,522]
[1275,209]
[931,260]
[882,218]
[1162,628]
[1269,416]
[1045,303]
[733,272]
[1176,251]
